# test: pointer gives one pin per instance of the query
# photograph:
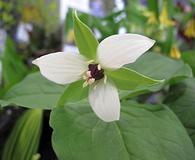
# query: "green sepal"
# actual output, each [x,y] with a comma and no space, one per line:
[127,79]
[73,93]
[85,39]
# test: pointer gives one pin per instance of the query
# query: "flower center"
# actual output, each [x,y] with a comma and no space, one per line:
[94,73]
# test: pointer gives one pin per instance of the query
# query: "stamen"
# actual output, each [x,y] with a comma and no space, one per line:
[99,67]
[94,73]
[95,87]
[105,79]
[91,81]
[85,77]
[88,73]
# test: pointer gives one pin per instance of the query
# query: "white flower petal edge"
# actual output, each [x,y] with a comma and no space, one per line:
[62,68]
[118,50]
[104,100]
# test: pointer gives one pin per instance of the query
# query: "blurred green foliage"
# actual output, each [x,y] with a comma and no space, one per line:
[43,13]
[7,14]
[13,68]
[23,141]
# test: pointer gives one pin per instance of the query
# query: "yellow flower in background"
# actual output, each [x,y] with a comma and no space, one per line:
[164,17]
[31,14]
[70,36]
[190,29]
[151,17]
[175,53]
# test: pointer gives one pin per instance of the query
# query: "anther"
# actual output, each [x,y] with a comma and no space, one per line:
[88,73]
[85,77]
[91,81]
[94,73]
[105,79]
[99,67]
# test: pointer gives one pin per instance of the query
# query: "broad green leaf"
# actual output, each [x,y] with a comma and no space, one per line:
[161,67]
[74,92]
[4,103]
[127,79]
[189,58]
[144,132]
[23,141]
[181,100]
[34,92]
[85,39]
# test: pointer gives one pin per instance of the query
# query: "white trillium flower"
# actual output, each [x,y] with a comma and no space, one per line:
[112,53]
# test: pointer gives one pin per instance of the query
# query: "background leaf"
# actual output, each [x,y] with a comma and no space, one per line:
[153,6]
[13,68]
[146,132]
[23,141]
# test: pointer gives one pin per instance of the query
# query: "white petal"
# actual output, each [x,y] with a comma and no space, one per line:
[118,50]
[104,100]
[61,68]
